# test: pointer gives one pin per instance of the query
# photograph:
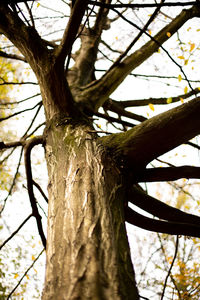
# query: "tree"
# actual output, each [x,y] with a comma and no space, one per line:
[93,178]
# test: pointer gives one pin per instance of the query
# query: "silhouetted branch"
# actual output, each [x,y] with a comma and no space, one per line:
[159,209]
[18,102]
[150,20]
[13,182]
[15,232]
[171,266]
[35,129]
[4,82]
[11,145]
[116,107]
[12,56]
[168,174]
[193,145]
[156,101]
[32,121]
[112,119]
[40,189]
[149,224]
[143,5]
[20,112]
[71,30]
[27,158]
[156,41]
[19,282]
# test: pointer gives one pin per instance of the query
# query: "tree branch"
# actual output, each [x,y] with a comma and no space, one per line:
[149,224]
[112,119]
[143,5]
[116,107]
[12,56]
[170,268]
[156,101]
[27,158]
[71,30]
[15,232]
[20,112]
[25,38]
[168,174]
[40,189]
[114,77]
[160,209]
[19,282]
[159,134]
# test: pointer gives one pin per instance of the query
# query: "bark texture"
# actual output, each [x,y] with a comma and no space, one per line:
[87,253]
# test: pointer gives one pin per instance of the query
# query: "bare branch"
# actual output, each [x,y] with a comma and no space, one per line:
[25,38]
[115,76]
[159,209]
[71,30]
[157,101]
[13,182]
[27,153]
[40,189]
[193,145]
[16,231]
[159,134]
[12,56]
[20,112]
[112,119]
[16,83]
[171,266]
[149,224]
[19,282]
[168,174]
[143,5]
[18,102]
[150,20]
[116,107]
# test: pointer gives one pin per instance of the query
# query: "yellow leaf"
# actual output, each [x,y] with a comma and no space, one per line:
[33,257]
[158,50]
[199,88]
[38,4]
[198,30]
[182,100]
[16,275]
[186,62]
[168,34]
[192,46]
[151,106]
[169,100]
[179,77]
[150,31]
[189,28]
[27,276]
[185,90]
[181,57]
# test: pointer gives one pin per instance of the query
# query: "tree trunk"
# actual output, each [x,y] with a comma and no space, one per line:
[88,255]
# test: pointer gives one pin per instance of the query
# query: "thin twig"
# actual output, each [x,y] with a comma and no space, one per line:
[169,272]
[15,232]
[20,112]
[19,282]
[13,182]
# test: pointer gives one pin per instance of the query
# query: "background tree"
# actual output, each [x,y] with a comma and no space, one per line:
[94,177]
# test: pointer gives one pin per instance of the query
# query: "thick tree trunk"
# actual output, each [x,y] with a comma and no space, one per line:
[87,250]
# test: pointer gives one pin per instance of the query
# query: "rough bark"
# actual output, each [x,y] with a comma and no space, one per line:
[87,252]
